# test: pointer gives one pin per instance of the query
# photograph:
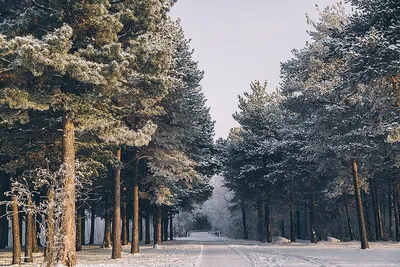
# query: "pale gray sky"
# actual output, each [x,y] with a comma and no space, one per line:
[238,41]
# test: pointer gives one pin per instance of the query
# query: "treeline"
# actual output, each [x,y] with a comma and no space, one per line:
[101,111]
[324,148]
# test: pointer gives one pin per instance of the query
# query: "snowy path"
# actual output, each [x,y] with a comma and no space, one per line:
[204,250]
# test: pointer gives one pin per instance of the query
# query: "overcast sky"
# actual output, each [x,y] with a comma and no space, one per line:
[237,41]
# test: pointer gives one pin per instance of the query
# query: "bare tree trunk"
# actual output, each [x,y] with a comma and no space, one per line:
[312,212]
[140,228]
[147,226]
[35,241]
[245,230]
[83,223]
[261,221]
[15,231]
[107,228]
[158,240]
[124,235]
[135,218]
[67,253]
[349,224]
[305,224]
[361,221]
[79,229]
[171,234]
[92,225]
[292,219]
[165,228]
[268,222]
[377,210]
[396,207]
[29,232]
[116,244]
[49,254]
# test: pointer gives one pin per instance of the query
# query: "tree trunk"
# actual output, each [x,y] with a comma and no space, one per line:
[35,240]
[245,230]
[124,235]
[377,210]
[171,234]
[29,232]
[67,253]
[396,207]
[305,224]
[268,223]
[157,240]
[298,225]
[349,225]
[49,252]
[92,225]
[147,226]
[140,228]
[4,227]
[83,223]
[165,229]
[360,213]
[79,229]
[107,228]
[261,221]
[292,219]
[116,244]
[283,232]
[135,220]
[313,231]
[16,232]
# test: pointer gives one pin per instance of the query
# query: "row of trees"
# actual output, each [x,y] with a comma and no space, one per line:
[97,99]
[329,132]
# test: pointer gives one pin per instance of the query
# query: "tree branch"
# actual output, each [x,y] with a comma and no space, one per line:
[117,2]
[43,7]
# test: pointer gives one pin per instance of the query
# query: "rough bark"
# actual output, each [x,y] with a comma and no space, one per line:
[313,231]
[244,220]
[28,233]
[349,224]
[292,219]
[158,240]
[92,225]
[396,207]
[147,226]
[49,252]
[135,218]
[116,244]
[67,253]
[15,231]
[124,234]
[107,222]
[360,212]
[171,229]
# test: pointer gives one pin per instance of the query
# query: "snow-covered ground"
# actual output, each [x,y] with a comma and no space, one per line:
[205,250]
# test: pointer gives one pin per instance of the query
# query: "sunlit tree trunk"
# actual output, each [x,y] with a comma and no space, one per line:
[116,244]
[360,212]
[135,218]
[67,253]
[158,240]
[15,232]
